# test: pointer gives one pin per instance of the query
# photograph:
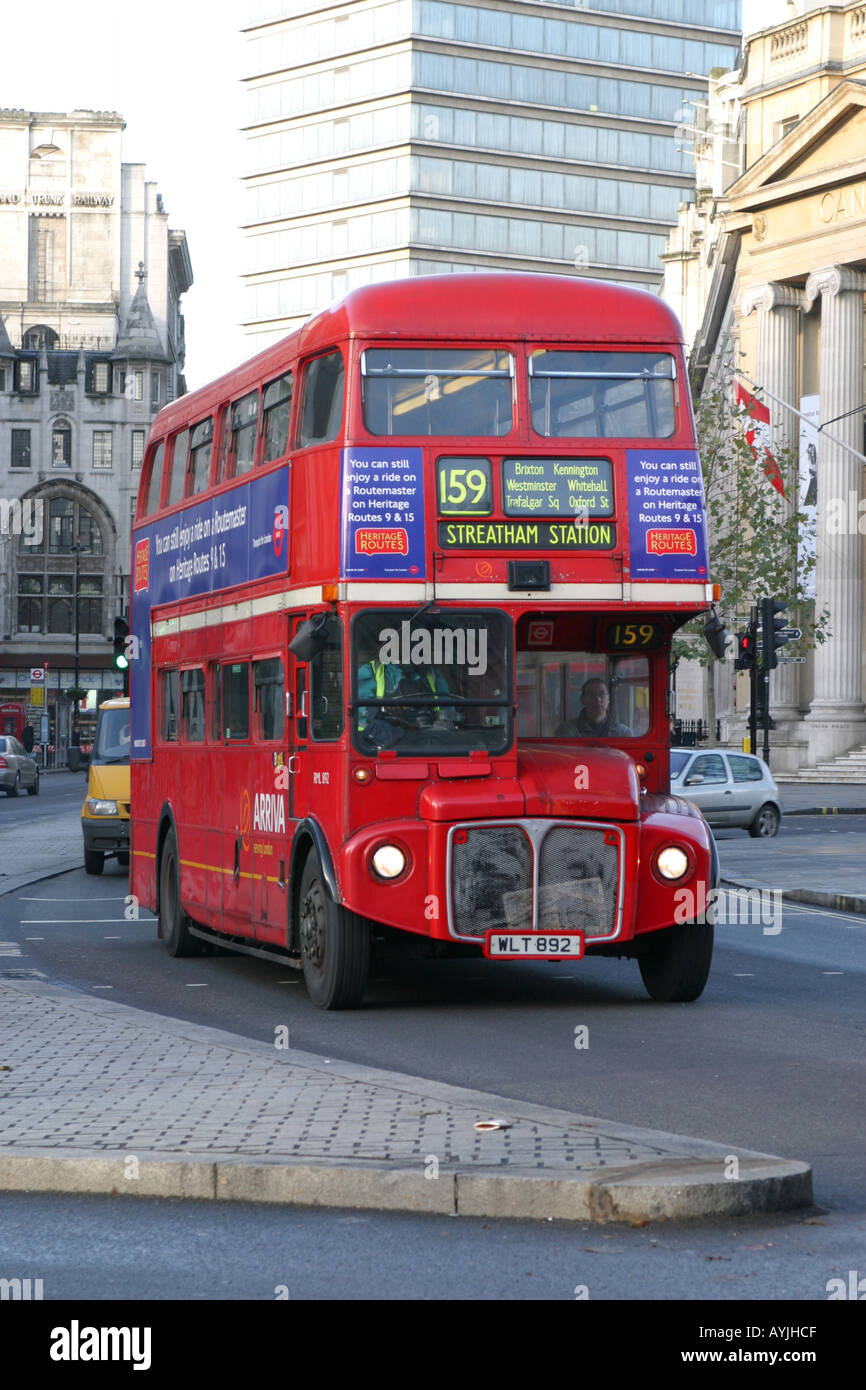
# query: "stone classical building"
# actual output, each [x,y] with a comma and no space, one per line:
[388,138]
[769,270]
[91,345]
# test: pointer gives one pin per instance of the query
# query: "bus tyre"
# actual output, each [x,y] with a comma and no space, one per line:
[173,921]
[94,861]
[335,944]
[676,962]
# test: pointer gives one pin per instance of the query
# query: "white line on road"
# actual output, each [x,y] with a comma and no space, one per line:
[201,985]
[70,900]
[73,921]
[832,972]
[744,974]
[34,938]
[112,938]
[9,948]
[103,986]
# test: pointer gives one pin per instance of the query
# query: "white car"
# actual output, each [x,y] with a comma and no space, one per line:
[731,789]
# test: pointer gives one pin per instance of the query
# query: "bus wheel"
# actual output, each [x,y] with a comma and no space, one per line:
[676,962]
[173,921]
[335,944]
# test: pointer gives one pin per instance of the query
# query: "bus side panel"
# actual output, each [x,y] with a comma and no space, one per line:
[143,838]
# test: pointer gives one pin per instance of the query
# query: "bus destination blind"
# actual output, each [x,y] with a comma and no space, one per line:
[557,487]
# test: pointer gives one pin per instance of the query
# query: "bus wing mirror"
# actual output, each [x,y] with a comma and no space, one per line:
[310,638]
[716,636]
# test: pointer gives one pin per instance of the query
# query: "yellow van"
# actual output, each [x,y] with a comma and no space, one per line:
[105,813]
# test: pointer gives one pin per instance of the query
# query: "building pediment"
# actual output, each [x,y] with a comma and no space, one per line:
[826,149]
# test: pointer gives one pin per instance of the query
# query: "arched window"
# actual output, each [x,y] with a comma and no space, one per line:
[46,570]
[40,336]
[61,443]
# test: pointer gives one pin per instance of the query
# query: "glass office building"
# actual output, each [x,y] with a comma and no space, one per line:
[388,138]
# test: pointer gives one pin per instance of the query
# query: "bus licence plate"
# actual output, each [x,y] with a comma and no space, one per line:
[505,945]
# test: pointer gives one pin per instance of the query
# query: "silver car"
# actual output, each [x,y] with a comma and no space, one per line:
[18,771]
[729,788]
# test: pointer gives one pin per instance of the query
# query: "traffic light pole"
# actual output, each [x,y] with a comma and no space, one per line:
[753,688]
[765,711]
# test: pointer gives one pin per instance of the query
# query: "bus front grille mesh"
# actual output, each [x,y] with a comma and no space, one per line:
[492,880]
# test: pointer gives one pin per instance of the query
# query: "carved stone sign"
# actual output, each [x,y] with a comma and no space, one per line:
[61,400]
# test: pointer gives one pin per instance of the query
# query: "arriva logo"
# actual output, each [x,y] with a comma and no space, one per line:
[269,813]
[281,526]
[244,819]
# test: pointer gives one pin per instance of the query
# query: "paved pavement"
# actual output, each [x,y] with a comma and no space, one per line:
[99,1097]
[828,874]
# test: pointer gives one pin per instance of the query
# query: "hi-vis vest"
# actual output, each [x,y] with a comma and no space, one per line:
[379,669]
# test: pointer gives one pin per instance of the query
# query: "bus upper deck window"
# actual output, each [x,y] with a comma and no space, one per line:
[200,445]
[277,407]
[150,501]
[241,435]
[437,391]
[322,400]
[602,395]
[178,468]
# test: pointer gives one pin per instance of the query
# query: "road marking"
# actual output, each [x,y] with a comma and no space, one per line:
[73,921]
[201,985]
[112,938]
[34,938]
[288,982]
[103,986]
[744,974]
[70,900]
[9,948]
[857,920]
[832,972]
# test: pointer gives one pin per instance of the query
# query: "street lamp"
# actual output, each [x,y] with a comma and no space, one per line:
[75,736]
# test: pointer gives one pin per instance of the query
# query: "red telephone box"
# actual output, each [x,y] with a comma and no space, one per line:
[12,719]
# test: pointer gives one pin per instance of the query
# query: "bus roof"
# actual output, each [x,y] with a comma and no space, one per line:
[486,305]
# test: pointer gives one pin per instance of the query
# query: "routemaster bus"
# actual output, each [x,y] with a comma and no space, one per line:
[404,588]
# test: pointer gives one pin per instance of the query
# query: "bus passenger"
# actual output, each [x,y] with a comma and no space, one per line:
[596,717]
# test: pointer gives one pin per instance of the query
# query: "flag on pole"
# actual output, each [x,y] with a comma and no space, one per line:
[756,423]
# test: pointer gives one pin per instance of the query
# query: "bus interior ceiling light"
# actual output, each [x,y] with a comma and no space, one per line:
[389,861]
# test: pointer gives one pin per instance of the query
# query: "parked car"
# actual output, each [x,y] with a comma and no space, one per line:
[105,813]
[731,789]
[18,771]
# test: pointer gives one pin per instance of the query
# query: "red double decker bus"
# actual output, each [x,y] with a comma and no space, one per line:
[404,587]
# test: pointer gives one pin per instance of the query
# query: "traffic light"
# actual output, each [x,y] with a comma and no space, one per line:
[121,656]
[745,657]
[774,630]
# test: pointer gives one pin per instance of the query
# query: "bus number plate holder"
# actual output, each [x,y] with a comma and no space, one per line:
[510,945]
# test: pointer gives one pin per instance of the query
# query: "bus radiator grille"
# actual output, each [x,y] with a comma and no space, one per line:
[492,880]
[491,876]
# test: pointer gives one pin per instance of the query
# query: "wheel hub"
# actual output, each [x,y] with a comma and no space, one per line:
[312,933]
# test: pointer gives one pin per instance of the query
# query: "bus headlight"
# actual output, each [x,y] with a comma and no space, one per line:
[388,861]
[97,807]
[672,863]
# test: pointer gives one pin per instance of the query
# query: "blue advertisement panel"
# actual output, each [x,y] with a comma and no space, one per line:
[241,535]
[382,522]
[666,517]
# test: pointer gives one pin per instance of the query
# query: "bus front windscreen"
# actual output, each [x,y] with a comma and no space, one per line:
[432,683]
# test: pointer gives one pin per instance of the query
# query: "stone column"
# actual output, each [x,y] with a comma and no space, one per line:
[778,308]
[837,716]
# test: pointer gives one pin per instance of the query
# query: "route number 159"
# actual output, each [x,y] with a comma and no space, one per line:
[464,487]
